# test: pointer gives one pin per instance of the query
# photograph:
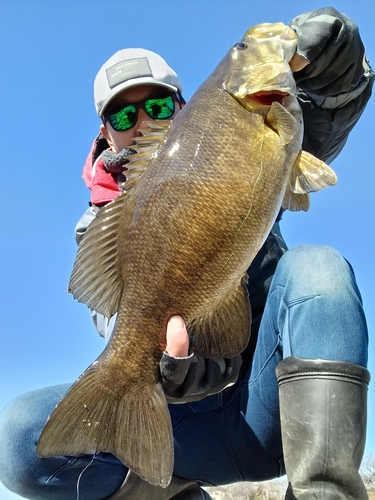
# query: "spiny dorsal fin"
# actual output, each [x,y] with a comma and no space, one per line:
[144,146]
[282,121]
[95,279]
[309,174]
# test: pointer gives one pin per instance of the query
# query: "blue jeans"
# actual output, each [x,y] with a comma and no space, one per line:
[313,310]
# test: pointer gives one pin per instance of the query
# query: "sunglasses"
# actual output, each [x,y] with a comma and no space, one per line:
[157,108]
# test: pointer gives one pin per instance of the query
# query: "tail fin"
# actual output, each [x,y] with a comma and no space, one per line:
[134,426]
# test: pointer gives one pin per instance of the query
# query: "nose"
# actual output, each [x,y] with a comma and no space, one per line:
[141,121]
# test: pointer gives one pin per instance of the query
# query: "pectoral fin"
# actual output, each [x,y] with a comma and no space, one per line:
[282,121]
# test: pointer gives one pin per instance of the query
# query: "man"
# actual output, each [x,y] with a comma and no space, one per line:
[239,421]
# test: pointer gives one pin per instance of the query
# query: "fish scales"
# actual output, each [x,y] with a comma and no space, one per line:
[213,194]
[202,194]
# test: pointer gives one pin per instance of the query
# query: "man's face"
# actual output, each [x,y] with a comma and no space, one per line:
[120,140]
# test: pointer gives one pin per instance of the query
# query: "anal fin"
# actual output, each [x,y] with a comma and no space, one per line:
[225,331]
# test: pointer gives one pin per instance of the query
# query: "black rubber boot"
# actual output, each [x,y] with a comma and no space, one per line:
[323,408]
[134,488]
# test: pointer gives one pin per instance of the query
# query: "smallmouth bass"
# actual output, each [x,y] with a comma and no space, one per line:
[202,194]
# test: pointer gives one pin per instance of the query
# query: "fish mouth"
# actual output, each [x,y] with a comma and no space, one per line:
[267,97]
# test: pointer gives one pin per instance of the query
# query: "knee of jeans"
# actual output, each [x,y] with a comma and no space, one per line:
[9,443]
[316,268]
[18,438]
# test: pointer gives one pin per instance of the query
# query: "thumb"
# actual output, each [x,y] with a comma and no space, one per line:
[177,338]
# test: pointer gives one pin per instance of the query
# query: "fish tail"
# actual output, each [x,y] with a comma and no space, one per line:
[134,426]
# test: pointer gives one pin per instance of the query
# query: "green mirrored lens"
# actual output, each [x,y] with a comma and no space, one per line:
[158,108]
[161,108]
[124,119]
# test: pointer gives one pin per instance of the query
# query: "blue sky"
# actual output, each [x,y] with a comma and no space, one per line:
[50,52]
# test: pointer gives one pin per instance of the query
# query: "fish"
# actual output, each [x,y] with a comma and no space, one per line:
[201,195]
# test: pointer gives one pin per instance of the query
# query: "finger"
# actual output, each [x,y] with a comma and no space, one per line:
[177,338]
[298,62]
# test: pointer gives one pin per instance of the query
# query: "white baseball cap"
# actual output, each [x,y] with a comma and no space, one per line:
[130,67]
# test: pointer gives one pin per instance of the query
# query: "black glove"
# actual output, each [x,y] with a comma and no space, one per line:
[330,41]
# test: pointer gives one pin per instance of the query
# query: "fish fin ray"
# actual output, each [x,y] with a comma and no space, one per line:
[296,202]
[212,337]
[95,278]
[145,147]
[134,426]
[282,121]
[309,174]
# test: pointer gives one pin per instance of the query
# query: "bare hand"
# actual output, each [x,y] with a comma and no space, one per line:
[177,338]
[298,62]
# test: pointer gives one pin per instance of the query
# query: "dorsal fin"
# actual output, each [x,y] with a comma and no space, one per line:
[144,146]
[95,279]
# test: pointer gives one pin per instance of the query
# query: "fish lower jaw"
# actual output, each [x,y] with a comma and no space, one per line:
[267,97]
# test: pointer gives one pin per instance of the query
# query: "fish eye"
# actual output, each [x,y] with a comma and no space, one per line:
[240,46]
